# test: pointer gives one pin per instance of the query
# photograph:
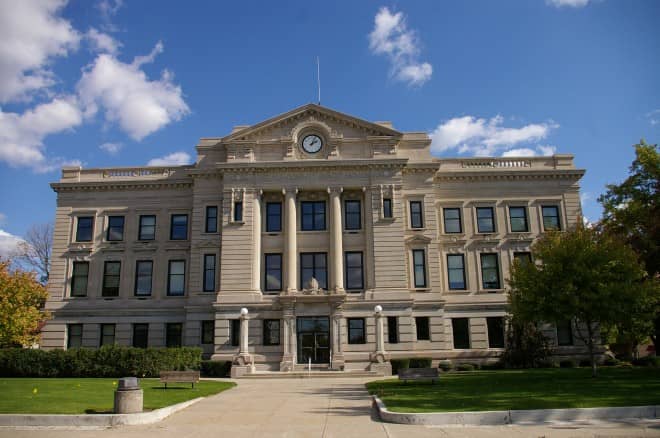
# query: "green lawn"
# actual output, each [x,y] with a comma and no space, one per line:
[523,389]
[79,396]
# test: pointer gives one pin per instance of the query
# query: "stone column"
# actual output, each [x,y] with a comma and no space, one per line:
[288,338]
[337,351]
[336,244]
[256,232]
[243,348]
[380,360]
[291,250]
[243,363]
[380,336]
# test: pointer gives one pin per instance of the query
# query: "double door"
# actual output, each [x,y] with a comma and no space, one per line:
[313,339]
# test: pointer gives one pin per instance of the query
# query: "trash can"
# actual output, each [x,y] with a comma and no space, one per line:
[129,396]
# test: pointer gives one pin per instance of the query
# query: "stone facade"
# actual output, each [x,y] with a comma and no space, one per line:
[308,242]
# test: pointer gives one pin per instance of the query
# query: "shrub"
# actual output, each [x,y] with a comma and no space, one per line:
[215,368]
[445,365]
[398,364]
[647,361]
[526,346]
[611,362]
[585,363]
[465,367]
[493,366]
[420,362]
[568,363]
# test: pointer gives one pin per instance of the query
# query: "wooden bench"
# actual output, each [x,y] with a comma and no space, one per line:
[406,374]
[191,377]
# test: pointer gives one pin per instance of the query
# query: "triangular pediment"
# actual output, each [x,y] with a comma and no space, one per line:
[418,239]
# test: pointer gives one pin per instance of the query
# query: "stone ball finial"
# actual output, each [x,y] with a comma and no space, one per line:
[244,311]
[378,309]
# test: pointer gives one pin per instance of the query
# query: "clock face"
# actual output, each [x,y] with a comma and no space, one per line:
[312,144]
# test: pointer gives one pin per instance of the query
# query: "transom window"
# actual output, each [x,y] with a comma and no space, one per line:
[85,229]
[79,279]
[115,228]
[211,219]
[551,221]
[419,268]
[313,215]
[518,219]
[356,331]
[456,271]
[485,220]
[490,271]
[352,215]
[143,275]
[176,282]
[354,270]
[147,227]
[273,281]
[452,218]
[271,334]
[416,216]
[179,227]
[111,275]
[273,217]
[313,264]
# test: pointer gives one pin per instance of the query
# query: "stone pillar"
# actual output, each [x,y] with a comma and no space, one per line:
[291,250]
[336,244]
[243,363]
[256,232]
[337,351]
[380,360]
[288,338]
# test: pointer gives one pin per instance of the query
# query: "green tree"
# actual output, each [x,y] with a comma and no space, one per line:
[582,275]
[21,301]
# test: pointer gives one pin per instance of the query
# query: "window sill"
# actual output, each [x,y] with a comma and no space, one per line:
[236,222]
[174,296]
[210,233]
[421,289]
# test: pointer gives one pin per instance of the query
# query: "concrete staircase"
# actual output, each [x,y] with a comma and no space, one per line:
[310,374]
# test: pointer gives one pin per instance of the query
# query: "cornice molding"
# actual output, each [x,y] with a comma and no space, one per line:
[100,186]
[311,165]
[571,175]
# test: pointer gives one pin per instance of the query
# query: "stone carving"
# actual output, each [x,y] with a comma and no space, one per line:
[313,288]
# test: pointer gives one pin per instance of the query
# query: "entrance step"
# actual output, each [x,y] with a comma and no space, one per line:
[308,374]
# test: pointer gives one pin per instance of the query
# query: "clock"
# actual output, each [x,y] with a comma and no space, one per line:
[312,143]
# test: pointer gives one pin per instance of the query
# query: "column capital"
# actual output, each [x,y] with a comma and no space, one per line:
[335,190]
[290,191]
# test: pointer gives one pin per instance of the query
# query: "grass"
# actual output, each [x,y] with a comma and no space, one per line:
[522,389]
[79,396]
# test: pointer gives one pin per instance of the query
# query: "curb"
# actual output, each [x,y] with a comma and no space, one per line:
[100,420]
[521,417]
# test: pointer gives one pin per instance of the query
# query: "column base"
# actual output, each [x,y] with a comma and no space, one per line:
[239,371]
[242,364]
[337,362]
[288,363]
[384,368]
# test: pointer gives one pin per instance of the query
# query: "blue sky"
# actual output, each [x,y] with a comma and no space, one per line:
[123,83]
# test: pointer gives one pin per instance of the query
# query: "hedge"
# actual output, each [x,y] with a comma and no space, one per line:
[647,361]
[398,364]
[107,361]
[420,362]
[215,368]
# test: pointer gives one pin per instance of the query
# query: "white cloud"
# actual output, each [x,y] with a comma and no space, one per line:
[111,148]
[392,38]
[654,117]
[108,9]
[102,42]
[8,244]
[22,135]
[547,149]
[31,34]
[3,218]
[478,136]
[568,3]
[529,152]
[140,106]
[173,159]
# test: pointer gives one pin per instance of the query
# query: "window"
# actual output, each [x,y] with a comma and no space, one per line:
[74,335]
[518,219]
[273,217]
[273,271]
[115,228]
[79,279]
[564,333]
[461,329]
[392,330]
[111,274]
[354,273]
[209,273]
[490,271]
[143,274]
[419,267]
[423,332]
[551,220]
[495,332]
[147,229]
[452,218]
[387,208]
[107,334]
[238,211]
[208,329]
[140,335]
[485,220]
[173,332]
[179,227]
[313,215]
[352,215]
[211,219]
[356,331]
[456,271]
[271,332]
[416,219]
[235,335]
[313,264]
[85,229]
[176,281]
[523,257]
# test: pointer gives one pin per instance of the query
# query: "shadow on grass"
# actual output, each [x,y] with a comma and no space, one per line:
[98,411]
[162,388]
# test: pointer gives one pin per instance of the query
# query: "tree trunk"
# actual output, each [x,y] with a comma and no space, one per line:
[590,345]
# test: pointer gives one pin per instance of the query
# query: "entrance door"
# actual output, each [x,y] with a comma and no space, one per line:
[313,339]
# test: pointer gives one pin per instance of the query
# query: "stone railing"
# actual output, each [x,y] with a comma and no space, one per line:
[559,161]
[119,173]
[490,163]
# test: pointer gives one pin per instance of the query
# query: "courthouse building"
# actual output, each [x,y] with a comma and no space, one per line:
[314,236]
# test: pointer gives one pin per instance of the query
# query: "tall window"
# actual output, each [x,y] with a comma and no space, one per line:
[115,228]
[273,217]
[490,271]
[564,333]
[209,273]
[107,334]
[416,217]
[74,334]
[354,271]
[313,215]
[211,219]
[235,335]
[523,257]
[140,335]
[423,332]
[79,279]
[387,208]
[452,218]
[461,329]
[392,330]
[147,227]
[173,334]
[356,331]
[352,215]
[143,274]
[495,332]
[313,264]
[85,229]
[271,334]
[176,281]
[551,221]
[111,275]
[238,211]
[208,329]
[485,220]
[273,271]
[456,271]
[419,267]
[179,227]
[518,219]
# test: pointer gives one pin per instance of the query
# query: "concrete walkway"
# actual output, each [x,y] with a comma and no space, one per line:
[315,408]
